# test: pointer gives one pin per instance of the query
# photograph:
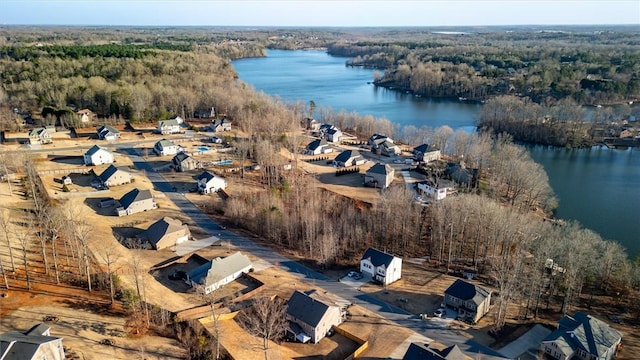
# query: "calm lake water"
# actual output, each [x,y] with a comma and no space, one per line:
[597,187]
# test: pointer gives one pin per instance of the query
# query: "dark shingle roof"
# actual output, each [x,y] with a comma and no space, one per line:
[94,149]
[206,175]
[180,157]
[378,257]
[467,291]
[24,346]
[346,155]
[134,195]
[380,168]
[426,352]
[107,173]
[316,144]
[156,231]
[307,308]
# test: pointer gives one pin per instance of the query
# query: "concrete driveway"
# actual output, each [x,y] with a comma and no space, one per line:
[528,342]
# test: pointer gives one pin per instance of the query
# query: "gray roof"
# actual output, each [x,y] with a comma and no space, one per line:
[171,122]
[94,149]
[582,331]
[427,352]
[164,143]
[467,291]
[316,144]
[333,131]
[378,257]
[156,231]
[346,155]
[180,157]
[16,345]
[219,268]
[380,168]
[133,196]
[107,128]
[424,148]
[307,307]
[108,172]
[206,175]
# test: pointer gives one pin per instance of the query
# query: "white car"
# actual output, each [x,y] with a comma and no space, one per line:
[440,312]
[216,140]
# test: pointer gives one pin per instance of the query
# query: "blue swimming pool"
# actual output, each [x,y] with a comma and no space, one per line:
[203,148]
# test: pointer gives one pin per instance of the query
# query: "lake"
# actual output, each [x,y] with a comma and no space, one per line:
[598,187]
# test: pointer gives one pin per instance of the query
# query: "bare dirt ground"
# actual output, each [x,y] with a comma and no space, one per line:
[82,323]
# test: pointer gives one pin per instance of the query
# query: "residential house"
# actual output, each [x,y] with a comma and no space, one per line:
[311,317]
[135,201]
[471,301]
[106,132]
[219,125]
[324,128]
[165,147]
[348,158]
[459,173]
[381,266]
[183,162]
[33,344]
[334,135]
[379,175]
[581,336]
[113,176]
[426,153]
[171,126]
[39,136]
[383,145]
[312,124]
[317,147]
[97,156]
[86,115]
[436,190]
[210,183]
[434,351]
[219,272]
[205,113]
[165,233]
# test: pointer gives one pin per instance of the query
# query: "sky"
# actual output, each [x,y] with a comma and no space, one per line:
[339,13]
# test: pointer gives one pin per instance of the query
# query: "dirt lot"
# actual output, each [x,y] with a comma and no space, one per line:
[82,323]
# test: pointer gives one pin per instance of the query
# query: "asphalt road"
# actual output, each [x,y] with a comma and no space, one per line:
[348,293]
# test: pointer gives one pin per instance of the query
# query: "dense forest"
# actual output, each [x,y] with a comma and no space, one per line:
[493,226]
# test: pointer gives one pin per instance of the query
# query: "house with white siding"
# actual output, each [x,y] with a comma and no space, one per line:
[219,272]
[380,266]
[97,156]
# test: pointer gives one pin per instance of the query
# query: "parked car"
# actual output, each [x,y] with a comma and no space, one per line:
[440,312]
[352,274]
[357,276]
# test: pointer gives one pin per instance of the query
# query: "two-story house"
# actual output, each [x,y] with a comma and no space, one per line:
[581,336]
[379,175]
[210,183]
[135,201]
[33,344]
[165,147]
[171,126]
[40,136]
[471,301]
[106,132]
[426,153]
[311,317]
[381,266]
[97,155]
[317,147]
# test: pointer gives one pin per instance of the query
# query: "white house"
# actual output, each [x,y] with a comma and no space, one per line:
[40,136]
[334,135]
[97,156]
[210,183]
[169,126]
[436,191]
[165,147]
[109,133]
[348,158]
[219,272]
[33,344]
[381,266]
[317,147]
[112,176]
